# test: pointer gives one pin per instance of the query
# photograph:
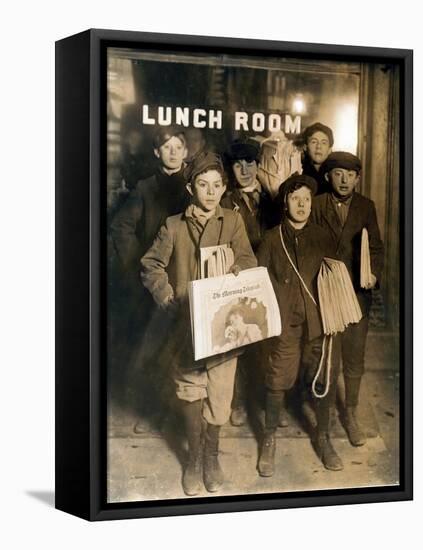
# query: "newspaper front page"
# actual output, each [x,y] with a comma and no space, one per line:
[230,312]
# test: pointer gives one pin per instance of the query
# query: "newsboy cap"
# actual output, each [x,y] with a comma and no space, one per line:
[247,149]
[295,182]
[202,162]
[164,134]
[341,159]
[318,127]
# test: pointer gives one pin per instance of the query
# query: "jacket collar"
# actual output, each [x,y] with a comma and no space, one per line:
[331,216]
[219,213]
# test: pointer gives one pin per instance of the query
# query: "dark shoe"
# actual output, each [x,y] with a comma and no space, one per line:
[212,472]
[309,414]
[192,481]
[238,416]
[283,418]
[266,463]
[354,432]
[142,426]
[192,476]
[327,454]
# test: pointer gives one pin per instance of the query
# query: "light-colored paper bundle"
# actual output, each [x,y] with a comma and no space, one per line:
[365,267]
[339,306]
[215,260]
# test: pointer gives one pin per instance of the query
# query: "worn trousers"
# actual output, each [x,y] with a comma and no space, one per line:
[215,385]
[285,355]
[353,345]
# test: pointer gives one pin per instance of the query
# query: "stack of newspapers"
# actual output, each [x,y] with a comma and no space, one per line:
[230,312]
[339,306]
[365,268]
[215,260]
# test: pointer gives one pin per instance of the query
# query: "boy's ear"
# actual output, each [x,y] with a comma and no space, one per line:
[185,154]
[327,177]
[189,188]
[156,152]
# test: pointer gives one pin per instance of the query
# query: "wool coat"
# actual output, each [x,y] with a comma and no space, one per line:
[257,217]
[347,239]
[173,259]
[307,248]
[137,223]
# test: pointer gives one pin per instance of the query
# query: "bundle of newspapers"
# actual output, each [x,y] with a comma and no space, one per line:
[215,260]
[365,268]
[339,306]
[230,312]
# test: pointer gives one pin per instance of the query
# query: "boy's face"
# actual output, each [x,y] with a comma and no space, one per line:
[230,333]
[245,172]
[343,181]
[318,147]
[299,204]
[171,153]
[207,190]
[236,321]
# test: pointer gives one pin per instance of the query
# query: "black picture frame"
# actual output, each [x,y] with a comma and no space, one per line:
[80,267]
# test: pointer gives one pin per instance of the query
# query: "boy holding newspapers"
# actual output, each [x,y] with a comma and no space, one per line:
[350,218]
[204,388]
[294,253]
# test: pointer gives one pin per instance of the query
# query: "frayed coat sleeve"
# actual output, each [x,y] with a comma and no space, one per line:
[154,264]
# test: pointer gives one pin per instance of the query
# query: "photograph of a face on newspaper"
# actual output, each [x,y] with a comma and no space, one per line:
[239,323]
[253,275]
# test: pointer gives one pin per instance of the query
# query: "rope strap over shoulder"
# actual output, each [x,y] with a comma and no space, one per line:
[327,340]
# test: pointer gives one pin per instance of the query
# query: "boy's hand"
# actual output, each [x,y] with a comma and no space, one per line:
[372,283]
[169,304]
[235,269]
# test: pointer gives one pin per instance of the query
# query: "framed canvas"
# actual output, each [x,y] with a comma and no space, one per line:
[233,274]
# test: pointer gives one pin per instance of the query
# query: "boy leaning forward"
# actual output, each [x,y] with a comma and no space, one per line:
[204,388]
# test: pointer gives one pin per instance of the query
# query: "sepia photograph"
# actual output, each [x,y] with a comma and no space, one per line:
[253,274]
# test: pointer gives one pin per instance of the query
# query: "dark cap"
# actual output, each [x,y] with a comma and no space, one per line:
[341,159]
[295,182]
[248,150]
[318,127]
[164,134]
[202,162]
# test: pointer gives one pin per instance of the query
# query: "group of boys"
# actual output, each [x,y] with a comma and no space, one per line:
[168,218]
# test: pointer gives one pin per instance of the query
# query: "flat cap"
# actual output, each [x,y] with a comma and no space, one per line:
[164,134]
[202,162]
[318,127]
[341,159]
[295,182]
[247,149]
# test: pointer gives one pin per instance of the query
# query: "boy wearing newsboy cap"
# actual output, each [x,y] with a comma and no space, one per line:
[293,253]
[258,212]
[204,388]
[345,213]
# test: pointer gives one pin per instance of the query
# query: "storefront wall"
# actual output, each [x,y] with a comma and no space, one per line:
[358,101]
